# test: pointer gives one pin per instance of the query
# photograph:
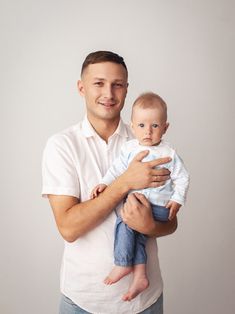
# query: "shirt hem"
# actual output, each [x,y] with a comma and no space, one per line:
[61,191]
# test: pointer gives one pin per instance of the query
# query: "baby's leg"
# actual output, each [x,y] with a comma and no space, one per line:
[160,213]
[140,282]
[124,246]
[117,273]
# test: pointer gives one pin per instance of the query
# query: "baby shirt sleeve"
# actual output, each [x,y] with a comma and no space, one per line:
[59,175]
[119,165]
[180,178]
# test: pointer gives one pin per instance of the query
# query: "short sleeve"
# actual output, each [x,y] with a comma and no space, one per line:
[59,174]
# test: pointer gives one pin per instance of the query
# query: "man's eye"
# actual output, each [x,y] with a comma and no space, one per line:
[141,125]
[118,85]
[98,83]
[155,125]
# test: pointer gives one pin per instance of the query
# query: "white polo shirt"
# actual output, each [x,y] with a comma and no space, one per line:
[74,161]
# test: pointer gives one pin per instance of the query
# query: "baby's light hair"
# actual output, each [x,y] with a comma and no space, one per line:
[150,100]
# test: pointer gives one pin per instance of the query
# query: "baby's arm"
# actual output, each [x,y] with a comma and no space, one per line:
[180,178]
[174,208]
[116,169]
[97,190]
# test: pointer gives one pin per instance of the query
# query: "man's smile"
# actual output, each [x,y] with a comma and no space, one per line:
[107,104]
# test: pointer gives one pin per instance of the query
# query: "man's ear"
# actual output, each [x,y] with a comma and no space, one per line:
[80,87]
[127,84]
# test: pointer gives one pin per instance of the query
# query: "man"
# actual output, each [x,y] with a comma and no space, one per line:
[74,162]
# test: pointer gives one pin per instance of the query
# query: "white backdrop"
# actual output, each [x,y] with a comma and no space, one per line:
[181,49]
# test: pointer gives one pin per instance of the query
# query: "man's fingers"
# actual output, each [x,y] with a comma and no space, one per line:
[172,214]
[161,175]
[132,200]
[141,198]
[168,205]
[156,184]
[141,155]
[159,161]
[123,212]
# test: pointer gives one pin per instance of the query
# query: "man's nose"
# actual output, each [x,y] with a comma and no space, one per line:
[108,91]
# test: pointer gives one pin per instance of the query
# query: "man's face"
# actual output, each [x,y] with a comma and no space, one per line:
[104,86]
[148,126]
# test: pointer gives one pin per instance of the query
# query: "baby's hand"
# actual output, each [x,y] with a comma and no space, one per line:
[174,208]
[97,190]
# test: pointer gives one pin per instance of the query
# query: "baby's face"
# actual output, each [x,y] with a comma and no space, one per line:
[148,126]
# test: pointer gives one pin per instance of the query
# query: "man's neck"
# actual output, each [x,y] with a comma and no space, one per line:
[104,128]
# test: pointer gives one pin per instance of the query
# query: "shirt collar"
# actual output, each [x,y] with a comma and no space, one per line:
[121,129]
[88,130]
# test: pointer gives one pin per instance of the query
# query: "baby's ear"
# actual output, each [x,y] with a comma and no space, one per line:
[131,125]
[166,127]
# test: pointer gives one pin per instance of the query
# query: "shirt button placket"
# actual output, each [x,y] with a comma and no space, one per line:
[109,154]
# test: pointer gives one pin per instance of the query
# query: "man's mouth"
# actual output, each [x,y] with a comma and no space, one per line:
[107,104]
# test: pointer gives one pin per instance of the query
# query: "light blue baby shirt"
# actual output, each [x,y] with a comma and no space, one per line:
[174,189]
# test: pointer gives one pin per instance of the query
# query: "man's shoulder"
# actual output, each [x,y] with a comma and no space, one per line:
[67,135]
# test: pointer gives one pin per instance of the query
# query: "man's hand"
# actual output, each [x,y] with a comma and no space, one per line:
[137,214]
[141,175]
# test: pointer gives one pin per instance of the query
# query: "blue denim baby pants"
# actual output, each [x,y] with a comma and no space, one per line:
[129,245]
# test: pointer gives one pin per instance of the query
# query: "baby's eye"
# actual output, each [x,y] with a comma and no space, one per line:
[141,125]
[155,125]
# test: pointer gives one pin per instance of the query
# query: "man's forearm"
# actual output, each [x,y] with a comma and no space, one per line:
[74,219]
[161,229]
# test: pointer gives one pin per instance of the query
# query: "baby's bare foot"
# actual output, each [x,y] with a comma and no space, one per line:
[139,284]
[116,274]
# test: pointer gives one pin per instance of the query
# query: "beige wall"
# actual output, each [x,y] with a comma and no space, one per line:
[184,50]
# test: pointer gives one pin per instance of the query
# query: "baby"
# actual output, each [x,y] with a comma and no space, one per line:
[149,124]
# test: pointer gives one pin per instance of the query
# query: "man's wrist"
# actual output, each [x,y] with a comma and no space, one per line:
[123,184]
[153,229]
[160,229]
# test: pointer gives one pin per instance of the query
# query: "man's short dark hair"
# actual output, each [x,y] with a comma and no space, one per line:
[102,56]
